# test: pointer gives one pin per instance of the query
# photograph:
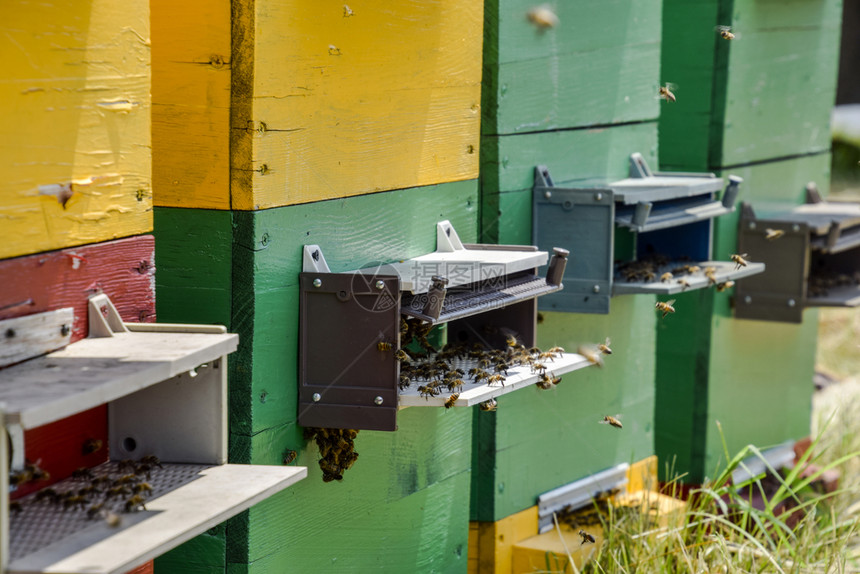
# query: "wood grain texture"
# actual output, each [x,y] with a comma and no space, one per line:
[122,269]
[75,117]
[409,491]
[267,254]
[336,103]
[191,77]
[600,65]
[537,431]
[768,92]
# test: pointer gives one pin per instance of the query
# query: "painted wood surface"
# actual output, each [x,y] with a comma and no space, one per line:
[191,75]
[599,65]
[205,554]
[74,128]
[340,100]
[494,544]
[706,359]
[540,440]
[768,92]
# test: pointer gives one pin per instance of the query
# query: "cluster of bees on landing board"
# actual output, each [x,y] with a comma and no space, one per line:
[99,494]
[579,517]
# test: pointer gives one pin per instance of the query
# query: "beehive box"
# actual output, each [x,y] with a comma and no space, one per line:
[289,103]
[766,94]
[74,126]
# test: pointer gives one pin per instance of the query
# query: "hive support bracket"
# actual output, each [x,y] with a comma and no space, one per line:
[730,195]
[576,217]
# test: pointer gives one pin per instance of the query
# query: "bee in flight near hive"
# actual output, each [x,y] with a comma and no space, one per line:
[489,405]
[604,347]
[771,234]
[591,353]
[586,537]
[666,307]
[725,32]
[543,17]
[449,402]
[610,420]
[91,445]
[740,260]
[725,285]
[666,93]
[384,346]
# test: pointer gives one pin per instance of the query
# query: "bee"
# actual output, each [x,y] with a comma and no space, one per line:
[726,32]
[538,368]
[125,463]
[543,17]
[586,537]
[134,502]
[15,506]
[666,277]
[126,479]
[481,375]
[401,355]
[87,490]
[665,307]
[91,445]
[591,354]
[557,350]
[404,383]
[740,260]
[451,400]
[665,93]
[771,234]
[693,269]
[384,346]
[95,510]
[711,274]
[604,347]
[497,378]
[511,341]
[544,382]
[84,473]
[725,285]
[99,481]
[610,420]
[684,284]
[116,491]
[49,493]
[427,391]
[502,367]
[489,405]
[151,460]
[145,487]
[455,384]
[75,500]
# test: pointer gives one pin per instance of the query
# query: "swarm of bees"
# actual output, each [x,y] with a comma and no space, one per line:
[337,449]
[102,494]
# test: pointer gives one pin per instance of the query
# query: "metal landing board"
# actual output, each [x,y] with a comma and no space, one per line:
[725,271]
[186,501]
[473,393]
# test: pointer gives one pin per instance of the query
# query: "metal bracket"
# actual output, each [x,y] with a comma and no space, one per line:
[812,193]
[639,167]
[103,317]
[776,458]
[640,216]
[730,195]
[557,265]
[435,297]
[578,494]
[447,240]
[313,260]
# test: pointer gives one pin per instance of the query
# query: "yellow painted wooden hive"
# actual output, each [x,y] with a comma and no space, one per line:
[75,158]
[298,102]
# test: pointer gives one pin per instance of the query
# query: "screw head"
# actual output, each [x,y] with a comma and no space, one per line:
[596,288]
[65,330]
[752,224]
[378,401]
[379,284]
[598,196]
[317,282]
[795,227]
[316,397]
[747,299]
[792,302]
[547,194]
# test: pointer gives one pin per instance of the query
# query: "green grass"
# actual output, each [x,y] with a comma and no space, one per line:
[838,352]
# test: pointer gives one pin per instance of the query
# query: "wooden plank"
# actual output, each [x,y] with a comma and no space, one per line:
[427,476]
[525,455]
[600,65]
[191,78]
[353,233]
[33,335]
[343,106]
[122,269]
[75,137]
[497,540]
[186,501]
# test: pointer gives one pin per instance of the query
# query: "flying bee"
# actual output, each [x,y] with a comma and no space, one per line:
[544,382]
[384,346]
[665,92]
[91,445]
[134,502]
[771,234]
[724,285]
[591,354]
[404,382]
[666,277]
[511,341]
[449,402]
[725,32]
[740,260]
[401,355]
[489,405]
[610,420]
[666,307]
[586,537]
[543,17]
[604,347]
